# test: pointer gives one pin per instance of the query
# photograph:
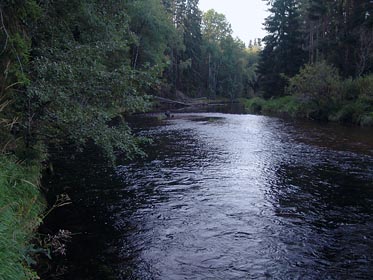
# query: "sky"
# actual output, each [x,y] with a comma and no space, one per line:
[245,16]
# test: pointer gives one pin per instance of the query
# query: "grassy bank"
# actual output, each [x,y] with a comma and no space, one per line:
[21,207]
[284,105]
[359,112]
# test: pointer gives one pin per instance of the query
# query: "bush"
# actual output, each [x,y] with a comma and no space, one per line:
[361,87]
[318,89]
[348,113]
[367,119]
[356,105]
[365,87]
[349,90]
[318,92]
[358,112]
[254,105]
[288,105]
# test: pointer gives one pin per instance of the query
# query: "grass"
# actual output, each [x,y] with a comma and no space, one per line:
[21,207]
[359,112]
[286,105]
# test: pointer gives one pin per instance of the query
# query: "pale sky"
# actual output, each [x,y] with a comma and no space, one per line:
[245,16]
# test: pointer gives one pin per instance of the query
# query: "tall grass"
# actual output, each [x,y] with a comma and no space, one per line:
[286,105]
[21,207]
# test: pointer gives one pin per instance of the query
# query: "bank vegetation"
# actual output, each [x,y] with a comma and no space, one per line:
[72,71]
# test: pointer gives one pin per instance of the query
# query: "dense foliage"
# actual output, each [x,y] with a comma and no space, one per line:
[319,52]
[69,67]
[77,74]
[204,58]
[72,70]
[283,54]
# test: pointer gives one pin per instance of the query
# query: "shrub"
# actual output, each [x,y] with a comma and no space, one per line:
[255,105]
[349,90]
[365,86]
[318,88]
[348,113]
[361,87]
[367,119]
[288,105]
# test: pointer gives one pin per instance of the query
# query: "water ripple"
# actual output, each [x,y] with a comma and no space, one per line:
[247,197]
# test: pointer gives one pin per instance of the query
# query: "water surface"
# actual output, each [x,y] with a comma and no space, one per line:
[225,196]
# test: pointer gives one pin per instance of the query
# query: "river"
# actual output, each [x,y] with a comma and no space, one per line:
[225,196]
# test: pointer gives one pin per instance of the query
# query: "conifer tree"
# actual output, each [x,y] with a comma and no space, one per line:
[283,53]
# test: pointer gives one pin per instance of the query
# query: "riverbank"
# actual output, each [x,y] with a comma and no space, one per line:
[21,207]
[357,112]
[100,216]
[21,204]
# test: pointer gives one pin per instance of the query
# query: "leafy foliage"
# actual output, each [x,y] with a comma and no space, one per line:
[318,87]
[81,75]
[286,105]
[338,32]
[318,92]
[226,60]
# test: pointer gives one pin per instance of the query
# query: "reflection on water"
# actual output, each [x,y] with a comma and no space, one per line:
[246,197]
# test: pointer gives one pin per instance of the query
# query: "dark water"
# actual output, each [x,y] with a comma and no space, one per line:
[224,196]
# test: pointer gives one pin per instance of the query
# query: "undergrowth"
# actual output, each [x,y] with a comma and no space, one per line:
[287,105]
[21,207]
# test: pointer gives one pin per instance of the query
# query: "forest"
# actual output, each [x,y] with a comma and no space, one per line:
[70,67]
[317,61]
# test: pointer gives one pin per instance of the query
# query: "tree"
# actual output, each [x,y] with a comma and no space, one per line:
[315,17]
[215,29]
[283,54]
[251,81]
[339,32]
[183,72]
[150,30]
[215,26]
[232,71]
[191,76]
[82,76]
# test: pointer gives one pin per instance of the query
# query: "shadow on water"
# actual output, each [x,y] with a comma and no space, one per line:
[87,179]
[224,196]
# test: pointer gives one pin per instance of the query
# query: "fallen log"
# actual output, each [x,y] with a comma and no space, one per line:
[170,101]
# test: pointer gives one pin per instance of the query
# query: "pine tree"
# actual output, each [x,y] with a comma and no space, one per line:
[314,14]
[283,53]
[339,32]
